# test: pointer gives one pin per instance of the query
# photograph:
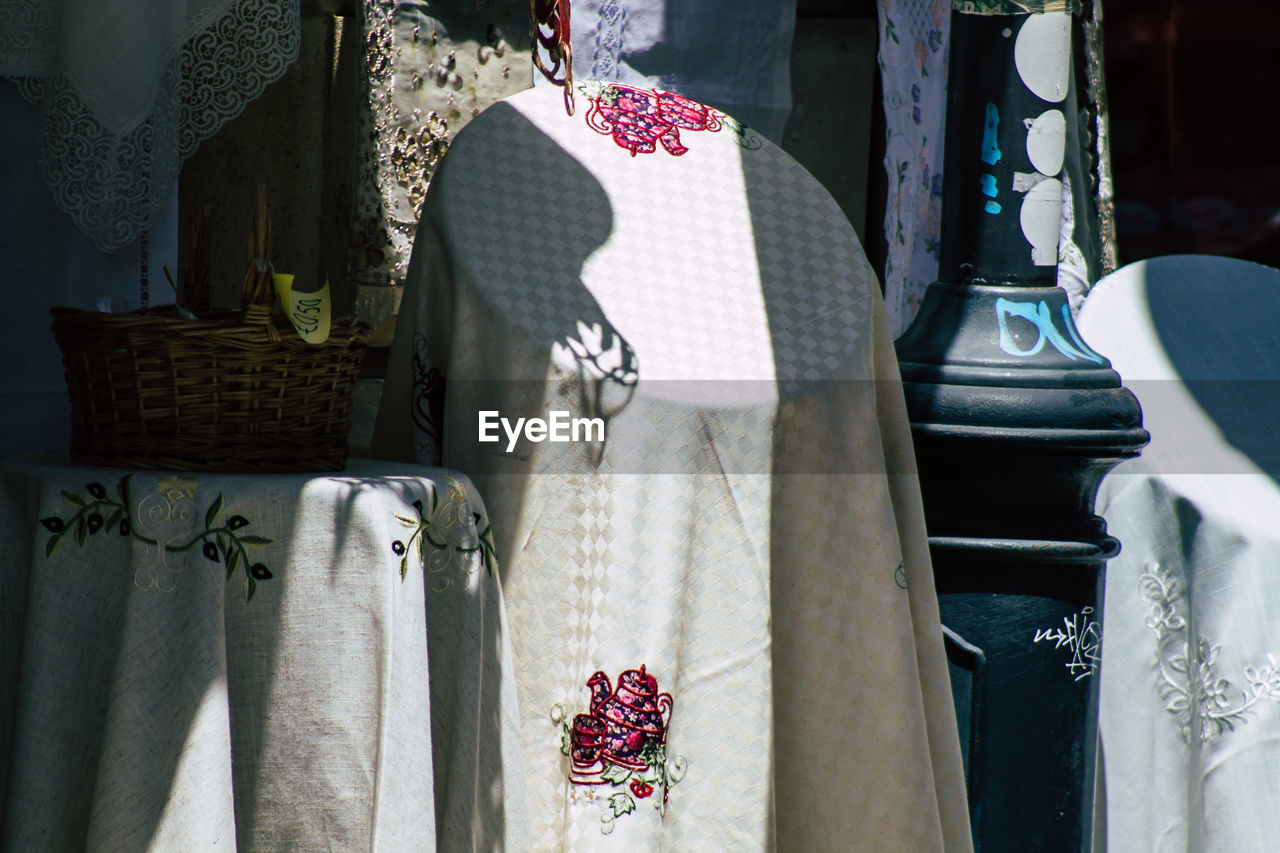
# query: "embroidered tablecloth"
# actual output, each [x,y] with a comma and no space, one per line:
[719,592]
[243,662]
[1190,691]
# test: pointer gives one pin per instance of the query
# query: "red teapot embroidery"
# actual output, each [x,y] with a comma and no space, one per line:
[622,744]
[640,119]
[626,726]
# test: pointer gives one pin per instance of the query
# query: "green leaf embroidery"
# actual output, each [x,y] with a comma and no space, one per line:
[103,513]
[615,773]
[490,550]
[621,804]
[214,509]
[566,739]
[427,537]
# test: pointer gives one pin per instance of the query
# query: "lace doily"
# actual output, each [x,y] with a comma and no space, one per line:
[125,95]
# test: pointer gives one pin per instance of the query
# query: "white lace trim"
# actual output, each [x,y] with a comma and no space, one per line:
[114,185]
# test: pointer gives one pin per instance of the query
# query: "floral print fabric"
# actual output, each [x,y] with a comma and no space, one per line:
[913,68]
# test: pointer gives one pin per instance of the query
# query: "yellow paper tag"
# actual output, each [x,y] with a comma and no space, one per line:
[310,313]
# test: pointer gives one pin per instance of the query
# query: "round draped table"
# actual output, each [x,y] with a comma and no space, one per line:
[656,344]
[1190,695]
[247,662]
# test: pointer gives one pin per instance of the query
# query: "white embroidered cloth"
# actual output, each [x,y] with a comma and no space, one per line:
[145,705]
[723,616]
[1190,692]
[128,89]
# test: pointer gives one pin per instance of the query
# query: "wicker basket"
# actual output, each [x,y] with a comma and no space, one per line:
[152,391]
[228,392]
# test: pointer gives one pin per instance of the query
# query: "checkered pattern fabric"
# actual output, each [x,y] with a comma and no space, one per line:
[738,530]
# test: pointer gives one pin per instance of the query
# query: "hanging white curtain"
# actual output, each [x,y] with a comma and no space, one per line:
[127,89]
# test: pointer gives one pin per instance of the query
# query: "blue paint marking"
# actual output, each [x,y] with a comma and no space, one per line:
[989,185]
[1075,335]
[1039,315]
[990,150]
[992,207]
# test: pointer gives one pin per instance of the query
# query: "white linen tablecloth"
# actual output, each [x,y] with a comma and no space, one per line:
[150,702]
[722,609]
[1190,691]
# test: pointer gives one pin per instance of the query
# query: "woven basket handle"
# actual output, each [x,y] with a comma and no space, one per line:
[258,294]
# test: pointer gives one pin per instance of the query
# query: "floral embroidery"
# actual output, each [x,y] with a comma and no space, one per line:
[640,119]
[451,530]
[176,486]
[1190,685]
[98,512]
[621,743]
[1080,635]
[912,56]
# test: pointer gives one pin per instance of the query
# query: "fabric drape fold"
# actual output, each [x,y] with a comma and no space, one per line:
[721,603]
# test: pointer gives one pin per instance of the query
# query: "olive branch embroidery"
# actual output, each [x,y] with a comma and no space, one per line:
[433,529]
[97,512]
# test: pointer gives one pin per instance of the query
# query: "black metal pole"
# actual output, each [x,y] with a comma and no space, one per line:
[1015,421]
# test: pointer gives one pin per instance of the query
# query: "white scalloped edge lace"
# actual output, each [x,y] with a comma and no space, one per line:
[113,186]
